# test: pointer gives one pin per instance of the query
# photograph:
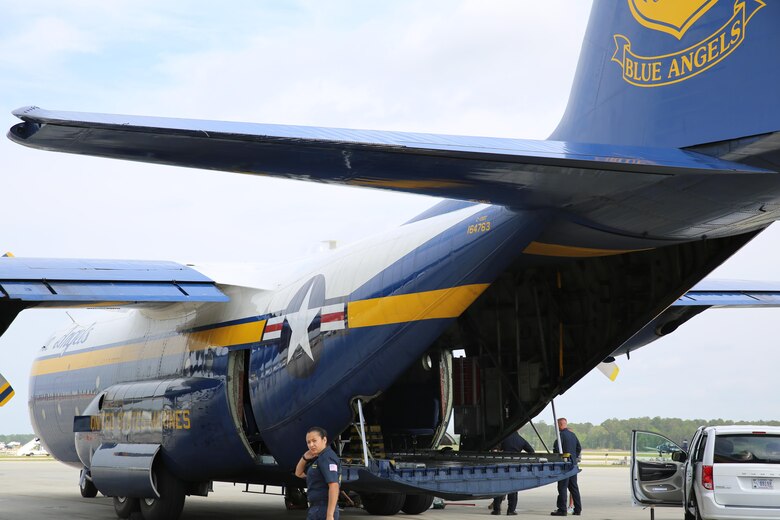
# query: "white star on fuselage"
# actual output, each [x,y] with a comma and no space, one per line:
[299,327]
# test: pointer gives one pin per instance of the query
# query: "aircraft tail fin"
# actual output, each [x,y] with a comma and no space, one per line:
[676,73]
[6,391]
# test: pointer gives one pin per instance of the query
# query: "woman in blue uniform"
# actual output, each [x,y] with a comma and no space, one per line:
[322,469]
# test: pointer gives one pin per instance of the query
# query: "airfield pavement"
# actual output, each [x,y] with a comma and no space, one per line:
[46,489]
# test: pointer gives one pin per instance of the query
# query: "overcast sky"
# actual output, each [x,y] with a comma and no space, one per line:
[496,68]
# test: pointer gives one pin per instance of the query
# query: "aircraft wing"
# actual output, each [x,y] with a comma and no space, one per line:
[72,281]
[511,172]
[6,391]
[31,282]
[731,293]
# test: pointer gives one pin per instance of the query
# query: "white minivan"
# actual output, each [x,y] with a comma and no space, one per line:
[729,472]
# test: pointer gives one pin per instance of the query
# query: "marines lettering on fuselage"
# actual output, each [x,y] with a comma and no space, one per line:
[140,421]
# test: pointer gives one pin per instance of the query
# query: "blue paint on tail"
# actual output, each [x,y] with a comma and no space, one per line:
[676,73]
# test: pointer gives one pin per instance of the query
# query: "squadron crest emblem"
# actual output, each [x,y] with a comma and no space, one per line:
[676,17]
[670,16]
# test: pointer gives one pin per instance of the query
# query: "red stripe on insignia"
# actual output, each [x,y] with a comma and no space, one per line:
[333,316]
[274,327]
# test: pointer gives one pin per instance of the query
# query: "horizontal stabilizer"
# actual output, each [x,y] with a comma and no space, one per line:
[497,170]
[6,391]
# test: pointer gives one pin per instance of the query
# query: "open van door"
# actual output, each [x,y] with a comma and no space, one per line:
[657,470]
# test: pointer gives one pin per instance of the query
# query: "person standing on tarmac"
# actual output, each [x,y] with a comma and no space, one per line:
[517,444]
[321,468]
[571,445]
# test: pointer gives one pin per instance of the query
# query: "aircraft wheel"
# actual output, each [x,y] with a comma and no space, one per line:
[416,504]
[295,498]
[87,488]
[383,504]
[171,501]
[125,506]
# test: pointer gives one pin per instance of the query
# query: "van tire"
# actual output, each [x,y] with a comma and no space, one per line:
[696,515]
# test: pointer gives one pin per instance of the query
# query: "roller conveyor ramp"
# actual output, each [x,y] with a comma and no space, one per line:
[455,475]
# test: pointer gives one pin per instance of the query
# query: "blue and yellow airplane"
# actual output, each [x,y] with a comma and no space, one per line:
[546,259]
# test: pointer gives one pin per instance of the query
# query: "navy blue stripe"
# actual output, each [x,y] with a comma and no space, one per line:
[6,393]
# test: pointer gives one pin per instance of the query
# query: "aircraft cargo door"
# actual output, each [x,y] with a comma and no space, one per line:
[238,399]
[657,466]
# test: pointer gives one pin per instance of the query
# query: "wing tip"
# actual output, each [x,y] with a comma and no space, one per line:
[6,393]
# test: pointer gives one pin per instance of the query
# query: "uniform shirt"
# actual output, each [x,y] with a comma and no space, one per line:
[571,444]
[516,443]
[326,468]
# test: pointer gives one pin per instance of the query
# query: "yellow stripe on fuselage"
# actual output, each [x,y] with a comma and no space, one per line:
[225,336]
[542,249]
[443,303]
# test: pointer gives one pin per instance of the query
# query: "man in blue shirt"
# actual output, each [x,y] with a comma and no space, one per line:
[322,469]
[571,445]
[517,444]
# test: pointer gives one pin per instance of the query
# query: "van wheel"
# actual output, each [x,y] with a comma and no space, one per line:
[696,515]
[383,504]
[125,506]
[416,504]
[171,501]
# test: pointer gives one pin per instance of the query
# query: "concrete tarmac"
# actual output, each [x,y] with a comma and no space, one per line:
[46,489]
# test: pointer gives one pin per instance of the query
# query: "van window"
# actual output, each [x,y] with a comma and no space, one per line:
[747,448]
[698,456]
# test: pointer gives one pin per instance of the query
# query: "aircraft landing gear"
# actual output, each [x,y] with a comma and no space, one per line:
[87,488]
[167,507]
[125,506]
[416,504]
[295,498]
[171,501]
[383,504]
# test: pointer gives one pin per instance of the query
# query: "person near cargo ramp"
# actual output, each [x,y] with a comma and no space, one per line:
[571,445]
[321,468]
[517,444]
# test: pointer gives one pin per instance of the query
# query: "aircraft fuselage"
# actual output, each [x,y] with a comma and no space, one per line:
[211,383]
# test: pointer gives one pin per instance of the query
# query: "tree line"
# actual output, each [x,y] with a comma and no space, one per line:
[615,434]
[24,438]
